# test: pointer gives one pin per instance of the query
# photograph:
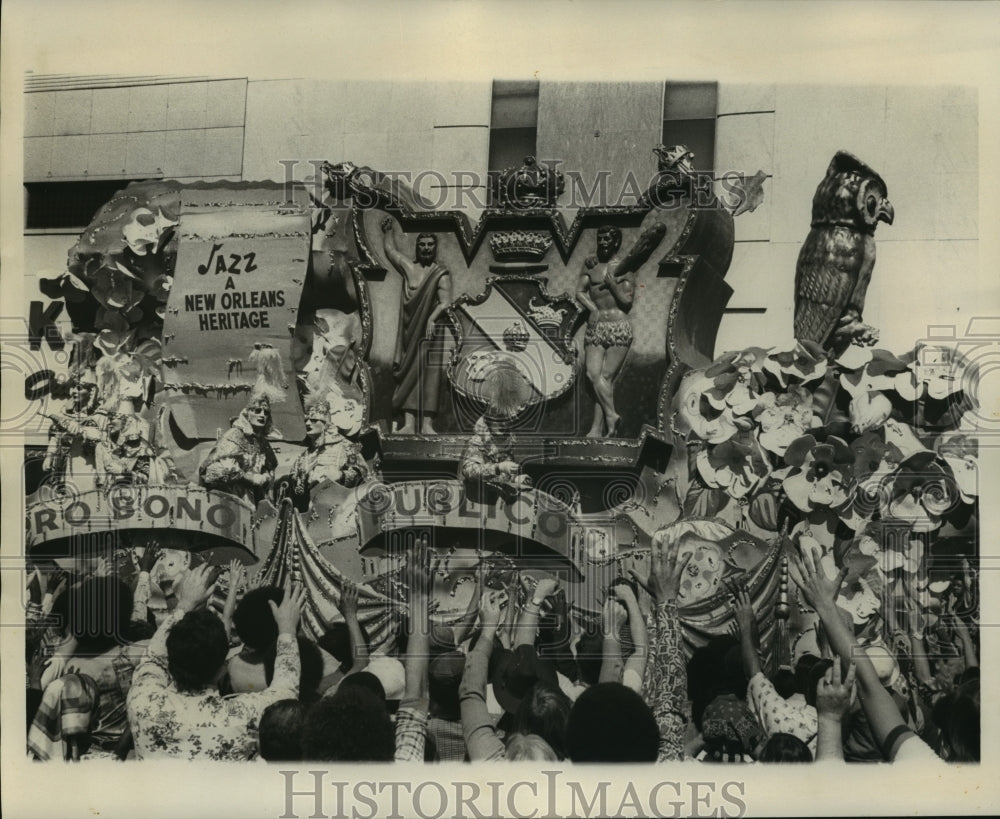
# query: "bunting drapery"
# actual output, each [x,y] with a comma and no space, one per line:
[294,555]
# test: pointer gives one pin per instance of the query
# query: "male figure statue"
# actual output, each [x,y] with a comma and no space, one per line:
[607,289]
[426,294]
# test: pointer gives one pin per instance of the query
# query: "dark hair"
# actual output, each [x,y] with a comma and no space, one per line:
[815,674]
[98,611]
[365,680]
[280,732]
[785,748]
[610,230]
[714,671]
[443,683]
[801,671]
[420,236]
[784,683]
[310,665]
[589,656]
[544,710]
[196,650]
[336,642]
[610,722]
[956,716]
[254,620]
[351,726]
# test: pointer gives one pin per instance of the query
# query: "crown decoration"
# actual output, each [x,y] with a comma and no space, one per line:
[516,338]
[546,316]
[528,187]
[520,245]
[674,158]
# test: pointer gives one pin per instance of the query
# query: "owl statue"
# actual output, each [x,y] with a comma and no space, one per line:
[835,262]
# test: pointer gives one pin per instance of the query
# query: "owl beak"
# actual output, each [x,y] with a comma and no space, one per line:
[885,213]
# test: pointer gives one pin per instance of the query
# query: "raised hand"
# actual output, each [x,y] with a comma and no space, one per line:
[349,600]
[613,616]
[665,571]
[623,593]
[36,668]
[150,555]
[287,614]
[237,574]
[746,620]
[419,572]
[833,694]
[818,590]
[195,588]
[491,607]
[545,588]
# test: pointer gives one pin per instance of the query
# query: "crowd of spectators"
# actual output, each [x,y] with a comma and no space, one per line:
[233,676]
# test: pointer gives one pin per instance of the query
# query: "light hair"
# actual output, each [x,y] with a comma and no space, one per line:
[529,746]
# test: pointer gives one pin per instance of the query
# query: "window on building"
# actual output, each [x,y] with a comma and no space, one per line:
[66,205]
[513,123]
[689,111]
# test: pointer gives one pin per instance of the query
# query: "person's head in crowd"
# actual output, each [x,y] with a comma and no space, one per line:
[956,716]
[714,670]
[366,680]
[280,731]
[351,726]
[969,674]
[784,683]
[784,748]
[337,643]
[729,729]
[196,651]
[311,668]
[98,611]
[253,620]
[589,656]
[811,676]
[391,673]
[544,711]
[610,722]
[444,676]
[522,747]
[513,673]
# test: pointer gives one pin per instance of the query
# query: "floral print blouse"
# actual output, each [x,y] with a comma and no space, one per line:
[204,725]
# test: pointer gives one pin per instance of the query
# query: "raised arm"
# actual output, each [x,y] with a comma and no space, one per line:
[463,628]
[821,593]
[287,664]
[613,616]
[526,629]
[968,647]
[349,609]
[399,261]
[411,718]
[635,664]
[746,622]
[481,739]
[194,590]
[640,251]
[833,698]
[237,574]
[666,674]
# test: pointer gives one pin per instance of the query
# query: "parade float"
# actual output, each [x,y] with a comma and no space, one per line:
[314,377]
